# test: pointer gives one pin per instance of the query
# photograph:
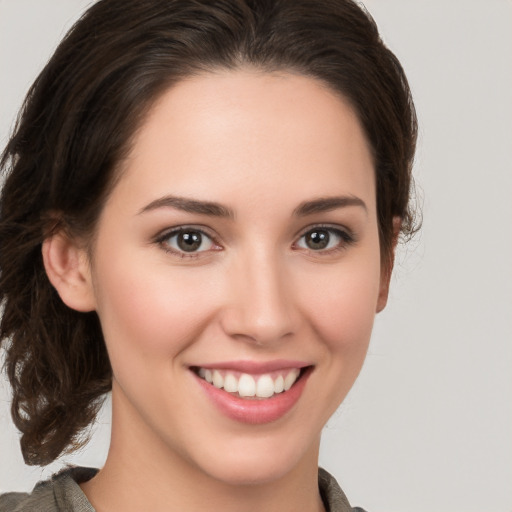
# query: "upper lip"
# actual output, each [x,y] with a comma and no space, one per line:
[254,367]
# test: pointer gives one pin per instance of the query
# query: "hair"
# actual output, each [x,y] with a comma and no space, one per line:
[77,124]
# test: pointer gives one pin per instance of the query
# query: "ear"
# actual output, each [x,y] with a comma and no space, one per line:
[385,276]
[68,269]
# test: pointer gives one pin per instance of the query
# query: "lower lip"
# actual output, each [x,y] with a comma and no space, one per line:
[255,411]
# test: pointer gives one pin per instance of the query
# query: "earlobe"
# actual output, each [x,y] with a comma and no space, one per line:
[384,289]
[387,270]
[68,269]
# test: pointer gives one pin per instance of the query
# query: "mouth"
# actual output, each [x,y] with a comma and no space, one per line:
[253,393]
[251,386]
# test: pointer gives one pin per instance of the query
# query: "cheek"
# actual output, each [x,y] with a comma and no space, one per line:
[341,306]
[149,313]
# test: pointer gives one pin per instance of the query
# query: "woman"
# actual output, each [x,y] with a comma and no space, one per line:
[200,213]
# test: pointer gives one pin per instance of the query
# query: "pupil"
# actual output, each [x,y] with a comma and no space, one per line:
[189,242]
[317,239]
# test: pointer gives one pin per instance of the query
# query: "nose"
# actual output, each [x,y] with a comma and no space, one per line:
[260,308]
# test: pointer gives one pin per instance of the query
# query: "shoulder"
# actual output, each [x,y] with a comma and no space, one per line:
[333,497]
[58,494]
[41,498]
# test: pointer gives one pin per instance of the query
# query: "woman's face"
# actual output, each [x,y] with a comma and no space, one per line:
[240,245]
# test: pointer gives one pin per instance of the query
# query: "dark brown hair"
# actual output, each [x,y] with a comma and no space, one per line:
[76,126]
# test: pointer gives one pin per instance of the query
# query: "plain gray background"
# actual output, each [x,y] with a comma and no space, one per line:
[428,425]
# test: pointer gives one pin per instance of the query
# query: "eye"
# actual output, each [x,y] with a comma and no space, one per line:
[324,239]
[186,241]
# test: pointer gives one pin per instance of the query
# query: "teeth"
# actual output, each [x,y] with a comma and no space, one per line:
[247,385]
[218,379]
[279,384]
[265,387]
[290,379]
[231,383]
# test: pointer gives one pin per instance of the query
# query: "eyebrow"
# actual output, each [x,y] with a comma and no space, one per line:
[191,206]
[326,204]
[212,209]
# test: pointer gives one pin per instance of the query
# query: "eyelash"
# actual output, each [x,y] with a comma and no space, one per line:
[162,241]
[346,239]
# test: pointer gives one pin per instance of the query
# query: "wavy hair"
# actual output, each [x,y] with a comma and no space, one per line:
[77,123]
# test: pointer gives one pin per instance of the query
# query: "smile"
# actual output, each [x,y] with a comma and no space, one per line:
[254,393]
[246,385]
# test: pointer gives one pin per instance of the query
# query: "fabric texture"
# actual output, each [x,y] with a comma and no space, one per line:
[61,493]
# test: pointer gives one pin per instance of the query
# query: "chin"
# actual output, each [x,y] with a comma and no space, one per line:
[260,462]
[249,474]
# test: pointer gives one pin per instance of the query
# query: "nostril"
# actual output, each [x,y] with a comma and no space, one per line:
[258,325]
[260,306]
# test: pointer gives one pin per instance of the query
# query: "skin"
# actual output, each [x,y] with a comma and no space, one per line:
[260,145]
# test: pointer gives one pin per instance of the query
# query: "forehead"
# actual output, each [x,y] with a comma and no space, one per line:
[229,132]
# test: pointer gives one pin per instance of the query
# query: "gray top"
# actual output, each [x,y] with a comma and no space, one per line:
[63,494]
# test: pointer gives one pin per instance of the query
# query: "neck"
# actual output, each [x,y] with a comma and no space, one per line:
[143,473]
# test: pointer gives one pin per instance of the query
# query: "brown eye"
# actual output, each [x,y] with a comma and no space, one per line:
[317,240]
[324,238]
[187,241]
